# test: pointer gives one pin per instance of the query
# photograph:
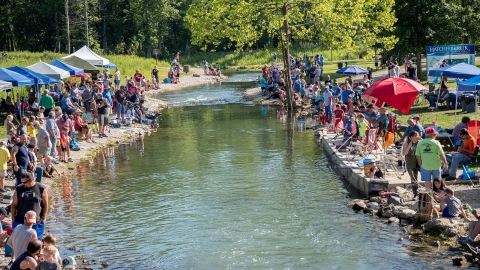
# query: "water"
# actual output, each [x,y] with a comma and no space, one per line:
[222,186]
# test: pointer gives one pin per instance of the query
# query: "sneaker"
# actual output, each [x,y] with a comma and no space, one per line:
[468,240]
[450,178]
[9,264]
[89,141]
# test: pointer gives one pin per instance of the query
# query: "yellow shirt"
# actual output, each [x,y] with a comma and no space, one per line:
[31,131]
[4,157]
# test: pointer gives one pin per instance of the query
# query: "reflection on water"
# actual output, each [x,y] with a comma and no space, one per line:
[220,187]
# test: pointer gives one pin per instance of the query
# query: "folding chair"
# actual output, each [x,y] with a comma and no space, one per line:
[365,148]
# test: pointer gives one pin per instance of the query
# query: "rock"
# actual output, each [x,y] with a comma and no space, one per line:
[459,261]
[387,214]
[196,75]
[405,213]
[373,205]
[404,222]
[469,257]
[392,220]
[358,206]
[407,195]
[435,243]
[384,201]
[439,224]
[451,232]
[105,264]
[375,200]
[353,202]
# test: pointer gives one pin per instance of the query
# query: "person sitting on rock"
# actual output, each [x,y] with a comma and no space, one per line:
[473,230]
[450,205]
[49,168]
[439,187]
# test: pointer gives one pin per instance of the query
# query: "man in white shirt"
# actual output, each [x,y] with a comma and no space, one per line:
[327,100]
[116,79]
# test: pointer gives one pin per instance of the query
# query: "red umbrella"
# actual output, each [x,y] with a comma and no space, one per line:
[400,93]
[84,75]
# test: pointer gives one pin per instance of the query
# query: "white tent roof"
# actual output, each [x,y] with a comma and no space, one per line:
[49,70]
[5,85]
[88,55]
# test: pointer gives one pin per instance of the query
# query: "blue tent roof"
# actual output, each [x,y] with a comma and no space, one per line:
[352,70]
[111,65]
[470,85]
[37,77]
[461,70]
[15,78]
[73,70]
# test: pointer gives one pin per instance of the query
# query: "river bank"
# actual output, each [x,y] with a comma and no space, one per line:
[115,136]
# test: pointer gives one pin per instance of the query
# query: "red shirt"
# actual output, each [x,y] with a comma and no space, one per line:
[78,122]
[324,119]
[138,76]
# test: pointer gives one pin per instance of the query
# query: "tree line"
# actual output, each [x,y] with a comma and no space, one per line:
[140,26]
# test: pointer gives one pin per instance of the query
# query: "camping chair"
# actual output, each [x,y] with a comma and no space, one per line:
[363,149]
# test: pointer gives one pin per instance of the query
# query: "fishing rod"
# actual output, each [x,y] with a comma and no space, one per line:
[333,153]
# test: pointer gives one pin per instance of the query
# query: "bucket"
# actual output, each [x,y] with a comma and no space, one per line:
[366,165]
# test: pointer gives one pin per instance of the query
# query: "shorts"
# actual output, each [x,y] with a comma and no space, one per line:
[117,82]
[376,64]
[43,151]
[64,149]
[58,142]
[120,108]
[177,75]
[102,119]
[429,175]
[3,173]
[445,213]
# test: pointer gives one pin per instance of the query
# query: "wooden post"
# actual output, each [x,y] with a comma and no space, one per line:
[425,206]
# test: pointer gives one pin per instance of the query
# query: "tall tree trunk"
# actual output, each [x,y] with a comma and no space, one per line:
[147,34]
[57,32]
[85,12]
[284,39]
[159,45]
[419,65]
[104,24]
[67,22]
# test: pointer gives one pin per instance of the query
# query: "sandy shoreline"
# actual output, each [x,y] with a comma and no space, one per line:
[115,137]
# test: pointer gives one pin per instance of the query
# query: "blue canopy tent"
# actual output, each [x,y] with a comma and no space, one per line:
[73,70]
[352,70]
[110,65]
[15,78]
[461,71]
[37,77]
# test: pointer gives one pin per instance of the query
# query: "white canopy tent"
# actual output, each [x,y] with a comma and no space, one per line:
[5,85]
[88,55]
[49,70]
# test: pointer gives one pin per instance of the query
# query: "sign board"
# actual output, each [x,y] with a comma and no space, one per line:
[155,51]
[453,54]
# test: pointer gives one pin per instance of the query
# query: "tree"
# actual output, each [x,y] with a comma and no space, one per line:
[338,23]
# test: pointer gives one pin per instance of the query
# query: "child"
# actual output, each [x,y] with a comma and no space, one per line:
[65,145]
[323,118]
[32,133]
[450,205]
[50,240]
[129,116]
[69,263]
[48,261]
[40,116]
[49,168]
[9,124]
[374,171]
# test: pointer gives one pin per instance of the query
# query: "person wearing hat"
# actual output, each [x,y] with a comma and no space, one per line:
[30,196]
[413,126]
[430,156]
[27,259]
[23,233]
[47,102]
[69,263]
[4,158]
[463,154]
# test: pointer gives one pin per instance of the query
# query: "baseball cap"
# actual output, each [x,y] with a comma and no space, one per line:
[69,262]
[464,131]
[31,216]
[30,145]
[36,123]
[430,131]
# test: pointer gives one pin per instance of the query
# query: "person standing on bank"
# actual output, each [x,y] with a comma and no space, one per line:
[20,158]
[4,158]
[430,156]
[408,150]
[30,196]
